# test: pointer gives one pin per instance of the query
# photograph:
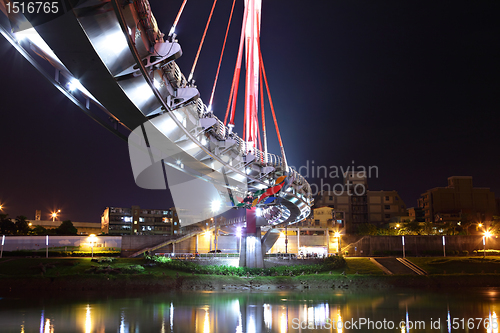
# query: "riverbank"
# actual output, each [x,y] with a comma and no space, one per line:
[137,282]
[75,274]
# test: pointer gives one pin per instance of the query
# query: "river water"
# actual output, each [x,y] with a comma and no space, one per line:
[225,312]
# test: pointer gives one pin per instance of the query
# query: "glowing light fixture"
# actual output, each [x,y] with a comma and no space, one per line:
[215,205]
[74,84]
[92,241]
[54,215]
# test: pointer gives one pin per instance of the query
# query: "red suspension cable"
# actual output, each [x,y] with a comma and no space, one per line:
[236,76]
[258,134]
[221,54]
[172,30]
[201,43]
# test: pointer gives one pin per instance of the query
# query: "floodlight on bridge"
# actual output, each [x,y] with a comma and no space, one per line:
[215,205]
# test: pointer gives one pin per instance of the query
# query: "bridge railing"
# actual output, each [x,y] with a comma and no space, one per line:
[221,132]
[193,256]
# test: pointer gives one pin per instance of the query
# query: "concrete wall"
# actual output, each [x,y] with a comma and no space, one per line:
[134,243]
[227,244]
[420,245]
[14,243]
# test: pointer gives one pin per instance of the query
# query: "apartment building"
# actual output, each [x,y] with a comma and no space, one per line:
[139,221]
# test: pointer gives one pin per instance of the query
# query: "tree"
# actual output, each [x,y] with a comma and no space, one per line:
[367,229]
[412,228]
[66,228]
[22,227]
[7,227]
[427,229]
[39,231]
[466,222]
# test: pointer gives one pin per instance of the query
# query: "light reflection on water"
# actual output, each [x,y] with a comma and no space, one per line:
[283,312]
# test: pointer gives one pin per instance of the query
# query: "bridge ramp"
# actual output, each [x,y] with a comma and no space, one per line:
[394,266]
[269,239]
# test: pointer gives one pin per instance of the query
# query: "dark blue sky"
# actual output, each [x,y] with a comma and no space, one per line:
[409,87]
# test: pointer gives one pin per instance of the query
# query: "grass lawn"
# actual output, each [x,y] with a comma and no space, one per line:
[19,267]
[458,265]
[362,266]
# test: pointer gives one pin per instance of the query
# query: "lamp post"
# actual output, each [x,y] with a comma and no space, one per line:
[484,247]
[403,240]
[444,247]
[337,235]
[46,246]
[487,234]
[92,241]
[3,241]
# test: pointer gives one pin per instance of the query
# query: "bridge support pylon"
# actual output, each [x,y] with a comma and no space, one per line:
[251,254]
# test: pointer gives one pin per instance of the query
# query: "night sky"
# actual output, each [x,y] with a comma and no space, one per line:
[410,87]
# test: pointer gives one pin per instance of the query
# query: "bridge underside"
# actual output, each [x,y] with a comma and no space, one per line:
[106,48]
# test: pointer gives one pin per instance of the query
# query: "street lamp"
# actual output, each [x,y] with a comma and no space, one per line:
[403,241]
[339,247]
[487,234]
[3,242]
[54,215]
[444,247]
[92,240]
